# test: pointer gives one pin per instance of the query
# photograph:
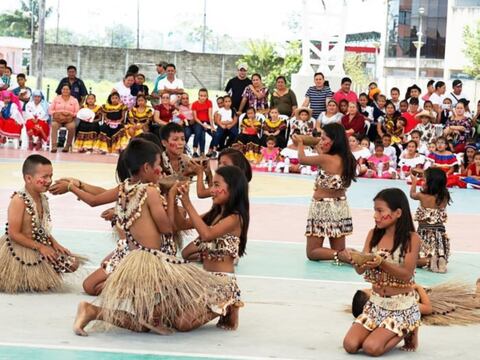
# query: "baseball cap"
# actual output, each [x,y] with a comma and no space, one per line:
[242,66]
[456,82]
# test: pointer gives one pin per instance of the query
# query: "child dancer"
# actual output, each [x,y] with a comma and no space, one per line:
[11,119]
[112,137]
[150,289]
[431,216]
[451,303]
[276,127]
[227,157]
[248,140]
[223,233]
[88,128]
[139,117]
[174,161]
[30,258]
[392,312]
[36,116]
[329,213]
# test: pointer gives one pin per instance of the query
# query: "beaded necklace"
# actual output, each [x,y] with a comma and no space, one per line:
[168,168]
[40,226]
[129,208]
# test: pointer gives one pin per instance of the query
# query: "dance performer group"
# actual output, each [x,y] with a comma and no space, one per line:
[143,286]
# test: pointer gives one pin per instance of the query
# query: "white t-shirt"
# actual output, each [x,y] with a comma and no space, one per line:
[455,98]
[392,154]
[226,116]
[437,99]
[125,94]
[323,119]
[32,110]
[361,154]
[170,85]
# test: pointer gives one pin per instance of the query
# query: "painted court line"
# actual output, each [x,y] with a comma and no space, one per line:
[279,278]
[134,352]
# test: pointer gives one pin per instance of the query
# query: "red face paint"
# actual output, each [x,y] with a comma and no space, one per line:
[157,172]
[386,217]
[41,182]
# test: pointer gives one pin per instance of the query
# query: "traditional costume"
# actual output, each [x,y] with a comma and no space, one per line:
[329,217]
[248,140]
[88,128]
[112,138]
[272,126]
[168,168]
[151,285]
[398,313]
[11,119]
[37,117]
[435,243]
[135,117]
[23,269]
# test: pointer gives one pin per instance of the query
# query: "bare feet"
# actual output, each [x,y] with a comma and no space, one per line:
[85,314]
[442,264]
[411,341]
[157,329]
[229,321]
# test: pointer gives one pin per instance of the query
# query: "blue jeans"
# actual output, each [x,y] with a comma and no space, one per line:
[188,130]
[199,139]
[222,134]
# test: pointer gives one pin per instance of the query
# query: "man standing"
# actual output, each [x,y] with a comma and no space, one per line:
[170,84]
[78,89]
[430,90]
[162,74]
[345,92]
[237,85]
[456,94]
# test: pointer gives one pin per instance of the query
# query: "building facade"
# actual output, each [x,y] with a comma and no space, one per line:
[443,23]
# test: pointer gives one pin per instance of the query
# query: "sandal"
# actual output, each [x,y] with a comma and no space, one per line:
[53,150]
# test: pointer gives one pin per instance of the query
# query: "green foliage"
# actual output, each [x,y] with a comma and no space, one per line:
[264,59]
[119,35]
[18,23]
[471,37]
[355,69]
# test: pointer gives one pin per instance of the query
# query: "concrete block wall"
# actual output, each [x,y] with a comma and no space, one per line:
[104,63]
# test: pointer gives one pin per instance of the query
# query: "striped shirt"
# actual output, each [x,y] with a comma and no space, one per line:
[318,99]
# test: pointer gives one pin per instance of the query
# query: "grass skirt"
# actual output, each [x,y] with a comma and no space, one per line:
[329,217]
[454,303]
[16,277]
[157,289]
[399,314]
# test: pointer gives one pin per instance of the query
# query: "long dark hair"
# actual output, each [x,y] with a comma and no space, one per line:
[436,185]
[396,199]
[138,152]
[239,160]
[237,204]
[340,146]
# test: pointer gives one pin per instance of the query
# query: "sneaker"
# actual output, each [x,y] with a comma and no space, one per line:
[212,154]
[195,155]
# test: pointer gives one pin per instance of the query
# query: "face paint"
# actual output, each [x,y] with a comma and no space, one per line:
[386,217]
[157,172]
[41,182]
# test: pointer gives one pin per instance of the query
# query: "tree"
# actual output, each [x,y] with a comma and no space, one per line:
[265,60]
[471,37]
[355,69]
[119,35]
[18,23]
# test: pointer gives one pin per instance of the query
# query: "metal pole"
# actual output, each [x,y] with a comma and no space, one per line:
[138,24]
[419,44]
[58,21]
[204,24]
[41,42]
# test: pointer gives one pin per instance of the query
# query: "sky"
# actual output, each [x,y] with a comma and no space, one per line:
[241,19]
